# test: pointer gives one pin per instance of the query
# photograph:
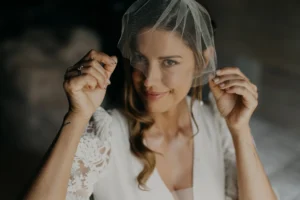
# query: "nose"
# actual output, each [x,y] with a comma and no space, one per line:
[152,75]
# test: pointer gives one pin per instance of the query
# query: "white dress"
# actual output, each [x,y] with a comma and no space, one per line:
[104,166]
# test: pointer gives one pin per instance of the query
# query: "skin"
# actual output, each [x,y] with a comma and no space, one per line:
[162,71]
[170,135]
[236,99]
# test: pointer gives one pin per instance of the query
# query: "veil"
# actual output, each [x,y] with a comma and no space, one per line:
[186,18]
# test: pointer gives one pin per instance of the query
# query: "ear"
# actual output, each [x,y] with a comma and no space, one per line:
[207,55]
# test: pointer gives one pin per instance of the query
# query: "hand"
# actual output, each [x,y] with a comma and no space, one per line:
[86,90]
[235,95]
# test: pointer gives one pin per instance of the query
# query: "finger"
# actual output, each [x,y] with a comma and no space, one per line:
[99,74]
[109,63]
[101,79]
[95,64]
[99,56]
[238,82]
[248,99]
[70,74]
[254,87]
[231,70]
[110,68]
[79,82]
[223,78]
[215,89]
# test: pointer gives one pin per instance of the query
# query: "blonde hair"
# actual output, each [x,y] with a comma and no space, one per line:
[139,122]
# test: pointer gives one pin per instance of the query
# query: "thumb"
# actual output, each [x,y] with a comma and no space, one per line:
[111,67]
[215,89]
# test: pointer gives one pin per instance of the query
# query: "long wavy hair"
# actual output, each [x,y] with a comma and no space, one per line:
[139,121]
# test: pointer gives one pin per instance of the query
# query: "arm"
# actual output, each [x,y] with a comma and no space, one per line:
[253,182]
[52,180]
[85,84]
[236,99]
[244,172]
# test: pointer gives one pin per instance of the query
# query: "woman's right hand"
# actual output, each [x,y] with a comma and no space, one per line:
[86,92]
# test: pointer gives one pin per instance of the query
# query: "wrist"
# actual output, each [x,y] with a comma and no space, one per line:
[75,118]
[239,131]
[78,116]
[242,135]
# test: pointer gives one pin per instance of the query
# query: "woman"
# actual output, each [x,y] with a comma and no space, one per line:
[162,144]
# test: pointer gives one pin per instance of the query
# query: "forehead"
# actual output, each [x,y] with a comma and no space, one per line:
[161,43]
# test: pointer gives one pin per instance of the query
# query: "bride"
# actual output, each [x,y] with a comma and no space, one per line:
[164,143]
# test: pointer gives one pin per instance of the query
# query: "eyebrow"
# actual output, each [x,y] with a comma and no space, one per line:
[161,57]
[168,57]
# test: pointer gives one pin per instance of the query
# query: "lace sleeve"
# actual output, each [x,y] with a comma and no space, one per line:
[92,156]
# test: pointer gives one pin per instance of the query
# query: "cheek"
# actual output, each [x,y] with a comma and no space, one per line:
[182,79]
[137,78]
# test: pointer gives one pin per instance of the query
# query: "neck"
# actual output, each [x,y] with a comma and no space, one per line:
[173,122]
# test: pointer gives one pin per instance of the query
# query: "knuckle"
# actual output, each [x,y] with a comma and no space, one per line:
[231,68]
[255,87]
[66,85]
[93,63]
[89,69]
[89,77]
[236,69]
[69,85]
[86,76]
[243,82]
[92,52]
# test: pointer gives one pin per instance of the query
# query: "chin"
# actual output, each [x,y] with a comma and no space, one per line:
[159,105]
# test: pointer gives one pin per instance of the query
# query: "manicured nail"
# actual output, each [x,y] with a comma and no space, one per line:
[216,80]
[218,72]
[114,60]
[222,85]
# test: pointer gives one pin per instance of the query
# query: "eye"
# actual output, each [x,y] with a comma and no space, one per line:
[137,59]
[169,63]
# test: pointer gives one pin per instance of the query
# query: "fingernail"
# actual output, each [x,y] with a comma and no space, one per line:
[216,80]
[218,72]
[222,85]
[114,59]
[108,82]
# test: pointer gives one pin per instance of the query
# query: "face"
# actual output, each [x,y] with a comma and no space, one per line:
[163,69]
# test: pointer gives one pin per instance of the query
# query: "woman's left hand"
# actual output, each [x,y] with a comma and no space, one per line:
[235,95]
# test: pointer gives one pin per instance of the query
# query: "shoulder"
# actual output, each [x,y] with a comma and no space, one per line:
[207,114]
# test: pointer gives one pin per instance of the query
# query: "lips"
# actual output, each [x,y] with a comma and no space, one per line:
[155,95]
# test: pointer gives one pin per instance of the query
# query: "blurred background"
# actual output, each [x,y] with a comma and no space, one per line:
[38,41]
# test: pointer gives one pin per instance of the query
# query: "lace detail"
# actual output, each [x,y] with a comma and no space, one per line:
[231,184]
[92,156]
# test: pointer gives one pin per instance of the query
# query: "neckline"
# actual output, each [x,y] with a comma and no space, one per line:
[171,193]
